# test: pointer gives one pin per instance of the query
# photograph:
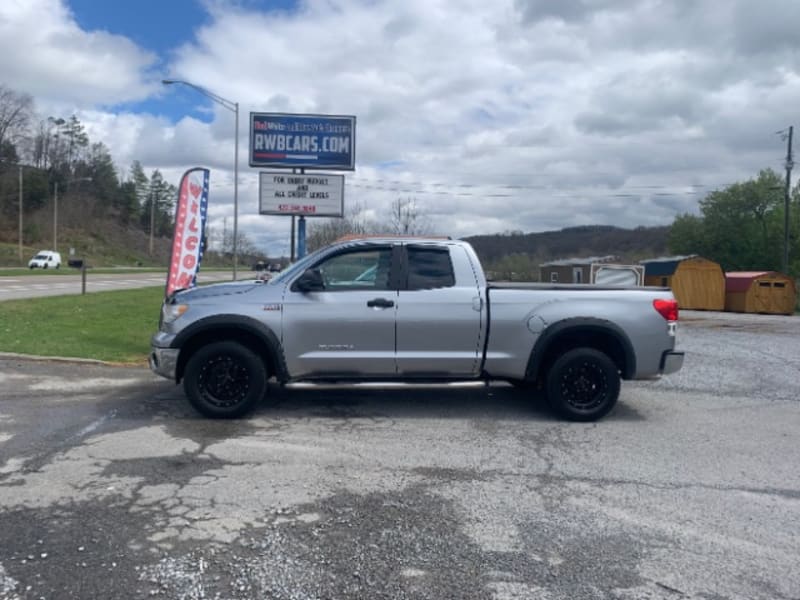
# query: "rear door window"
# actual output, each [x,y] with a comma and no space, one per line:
[429,268]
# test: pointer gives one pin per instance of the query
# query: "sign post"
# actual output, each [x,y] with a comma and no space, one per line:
[301,237]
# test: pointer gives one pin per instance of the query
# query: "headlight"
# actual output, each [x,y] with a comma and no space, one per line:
[170,312]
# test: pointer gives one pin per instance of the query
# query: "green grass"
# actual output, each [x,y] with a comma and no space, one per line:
[109,326]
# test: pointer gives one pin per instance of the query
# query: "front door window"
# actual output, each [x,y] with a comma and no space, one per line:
[348,327]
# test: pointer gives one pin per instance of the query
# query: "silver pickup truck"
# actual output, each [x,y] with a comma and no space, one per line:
[395,309]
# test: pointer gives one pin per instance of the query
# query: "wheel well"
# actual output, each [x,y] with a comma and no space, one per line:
[598,339]
[250,340]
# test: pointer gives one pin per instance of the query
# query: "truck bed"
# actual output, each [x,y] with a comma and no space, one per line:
[532,285]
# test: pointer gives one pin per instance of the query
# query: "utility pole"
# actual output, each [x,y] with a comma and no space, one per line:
[55,217]
[786,196]
[152,219]
[224,236]
[20,214]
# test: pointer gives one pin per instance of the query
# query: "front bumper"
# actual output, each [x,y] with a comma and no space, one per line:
[164,361]
[671,362]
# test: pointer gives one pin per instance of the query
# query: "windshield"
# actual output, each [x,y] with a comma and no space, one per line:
[297,268]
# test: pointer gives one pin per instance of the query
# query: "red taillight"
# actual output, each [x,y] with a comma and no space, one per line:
[667,308]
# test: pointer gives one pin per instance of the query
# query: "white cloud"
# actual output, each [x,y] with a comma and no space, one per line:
[44,53]
[514,114]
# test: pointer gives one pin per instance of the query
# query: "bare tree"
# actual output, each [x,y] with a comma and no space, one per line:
[407,218]
[15,115]
[322,232]
[222,242]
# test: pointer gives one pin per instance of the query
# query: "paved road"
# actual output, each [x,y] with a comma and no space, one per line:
[35,286]
[111,487]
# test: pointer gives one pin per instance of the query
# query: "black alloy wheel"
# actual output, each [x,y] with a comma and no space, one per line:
[583,384]
[225,380]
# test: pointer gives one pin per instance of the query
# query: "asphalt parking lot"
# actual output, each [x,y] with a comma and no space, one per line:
[111,487]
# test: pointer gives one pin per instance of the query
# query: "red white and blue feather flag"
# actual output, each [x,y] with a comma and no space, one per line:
[190,226]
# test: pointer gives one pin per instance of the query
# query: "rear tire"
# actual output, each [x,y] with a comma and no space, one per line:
[583,385]
[225,380]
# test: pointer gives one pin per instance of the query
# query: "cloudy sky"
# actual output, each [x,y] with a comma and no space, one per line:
[506,115]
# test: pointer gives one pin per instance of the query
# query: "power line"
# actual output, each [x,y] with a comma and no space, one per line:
[489,194]
[398,182]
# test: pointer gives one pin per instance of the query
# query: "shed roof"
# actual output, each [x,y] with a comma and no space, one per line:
[663,265]
[589,260]
[739,281]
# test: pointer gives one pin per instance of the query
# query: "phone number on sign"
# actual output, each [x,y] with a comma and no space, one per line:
[297,208]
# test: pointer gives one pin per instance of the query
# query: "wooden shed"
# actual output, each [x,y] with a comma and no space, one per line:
[698,283]
[766,292]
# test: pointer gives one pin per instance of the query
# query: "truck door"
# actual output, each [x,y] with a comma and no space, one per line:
[439,312]
[347,329]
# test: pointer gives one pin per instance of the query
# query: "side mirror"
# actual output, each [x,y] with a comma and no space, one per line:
[310,281]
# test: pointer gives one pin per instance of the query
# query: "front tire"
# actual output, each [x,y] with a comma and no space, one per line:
[225,380]
[583,384]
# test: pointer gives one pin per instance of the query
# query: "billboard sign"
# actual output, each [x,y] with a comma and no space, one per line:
[310,195]
[303,141]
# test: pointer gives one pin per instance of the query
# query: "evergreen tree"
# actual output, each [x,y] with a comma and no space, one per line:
[103,183]
[162,201]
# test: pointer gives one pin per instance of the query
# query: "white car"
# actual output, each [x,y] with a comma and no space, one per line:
[45,259]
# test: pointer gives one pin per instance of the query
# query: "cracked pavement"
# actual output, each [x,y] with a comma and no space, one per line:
[112,487]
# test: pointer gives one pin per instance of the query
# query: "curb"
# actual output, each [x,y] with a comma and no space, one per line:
[68,359]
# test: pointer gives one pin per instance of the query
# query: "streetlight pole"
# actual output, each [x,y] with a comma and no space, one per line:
[234,108]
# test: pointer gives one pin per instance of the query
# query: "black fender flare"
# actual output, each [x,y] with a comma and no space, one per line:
[238,323]
[577,325]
